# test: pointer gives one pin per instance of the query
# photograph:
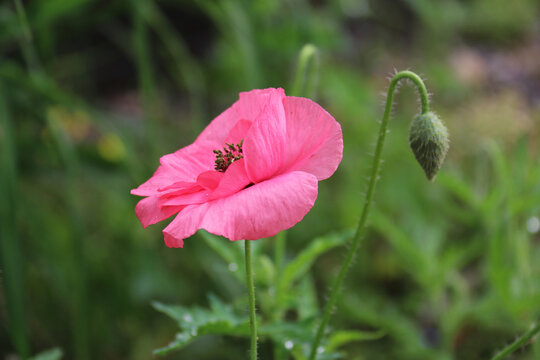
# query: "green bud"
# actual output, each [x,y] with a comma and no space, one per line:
[429,142]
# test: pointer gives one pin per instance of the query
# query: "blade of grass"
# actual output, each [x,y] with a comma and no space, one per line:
[183,67]
[26,40]
[38,79]
[80,294]
[233,20]
[307,72]
[10,246]
[145,73]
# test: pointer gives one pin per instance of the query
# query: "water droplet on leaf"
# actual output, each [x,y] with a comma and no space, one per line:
[233,267]
[533,225]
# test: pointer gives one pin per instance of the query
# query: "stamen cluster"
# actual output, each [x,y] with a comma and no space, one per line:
[230,153]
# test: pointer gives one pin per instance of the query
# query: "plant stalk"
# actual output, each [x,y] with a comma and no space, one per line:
[251,295]
[522,340]
[360,230]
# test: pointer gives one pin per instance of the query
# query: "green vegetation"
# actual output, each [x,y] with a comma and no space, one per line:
[92,93]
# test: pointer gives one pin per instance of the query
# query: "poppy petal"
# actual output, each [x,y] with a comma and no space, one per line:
[259,211]
[314,138]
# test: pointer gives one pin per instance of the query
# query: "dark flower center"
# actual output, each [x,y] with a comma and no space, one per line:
[230,153]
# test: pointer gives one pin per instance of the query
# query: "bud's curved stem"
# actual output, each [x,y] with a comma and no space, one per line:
[360,230]
[422,91]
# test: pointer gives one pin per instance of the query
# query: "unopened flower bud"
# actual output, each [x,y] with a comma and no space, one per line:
[429,142]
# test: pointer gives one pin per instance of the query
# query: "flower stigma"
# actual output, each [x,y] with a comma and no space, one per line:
[230,153]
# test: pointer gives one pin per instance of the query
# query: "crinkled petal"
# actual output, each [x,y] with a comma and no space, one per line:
[172,242]
[265,142]
[162,178]
[198,197]
[210,179]
[234,180]
[188,162]
[238,132]
[149,211]
[179,186]
[182,166]
[248,107]
[314,138]
[259,211]
[185,224]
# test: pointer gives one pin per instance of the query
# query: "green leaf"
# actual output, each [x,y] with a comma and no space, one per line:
[411,255]
[195,321]
[301,264]
[458,187]
[229,251]
[265,270]
[340,338]
[306,304]
[52,354]
[297,332]
[296,338]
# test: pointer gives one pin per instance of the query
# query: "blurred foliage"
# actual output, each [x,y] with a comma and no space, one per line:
[52,354]
[93,92]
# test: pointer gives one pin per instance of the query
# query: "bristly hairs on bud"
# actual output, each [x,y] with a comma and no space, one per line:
[428,138]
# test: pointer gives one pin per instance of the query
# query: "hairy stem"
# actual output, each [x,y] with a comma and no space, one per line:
[360,230]
[522,340]
[279,260]
[251,294]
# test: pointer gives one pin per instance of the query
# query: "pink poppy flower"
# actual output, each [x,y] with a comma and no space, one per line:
[250,174]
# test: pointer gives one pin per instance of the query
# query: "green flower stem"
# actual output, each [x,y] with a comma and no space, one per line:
[522,340]
[279,261]
[360,230]
[251,294]
[304,85]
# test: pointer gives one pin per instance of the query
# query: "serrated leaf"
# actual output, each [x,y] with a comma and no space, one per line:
[340,338]
[195,321]
[52,354]
[180,340]
[302,353]
[296,338]
[297,332]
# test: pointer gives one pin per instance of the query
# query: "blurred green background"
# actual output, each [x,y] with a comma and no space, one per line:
[92,93]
